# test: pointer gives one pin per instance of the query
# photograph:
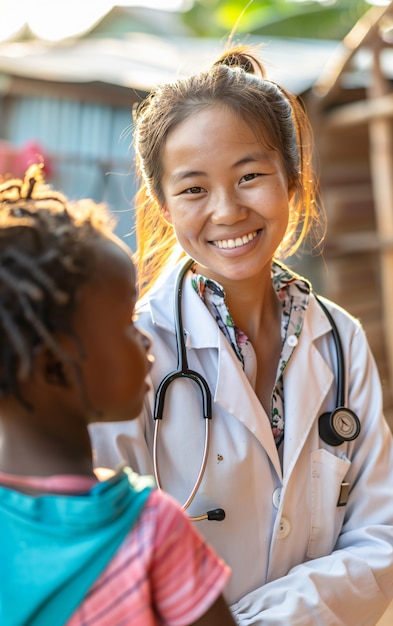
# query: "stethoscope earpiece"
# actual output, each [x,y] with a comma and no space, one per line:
[338,426]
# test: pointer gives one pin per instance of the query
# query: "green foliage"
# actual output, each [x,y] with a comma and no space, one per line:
[325,19]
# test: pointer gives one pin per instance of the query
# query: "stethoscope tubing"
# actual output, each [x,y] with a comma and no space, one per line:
[201,469]
[340,390]
[183,371]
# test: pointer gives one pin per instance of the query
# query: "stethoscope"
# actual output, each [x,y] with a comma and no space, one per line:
[334,427]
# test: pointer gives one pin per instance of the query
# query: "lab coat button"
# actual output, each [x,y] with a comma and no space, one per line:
[284,528]
[276,497]
[292,341]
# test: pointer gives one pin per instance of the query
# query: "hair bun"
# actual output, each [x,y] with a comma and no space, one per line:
[238,60]
[243,57]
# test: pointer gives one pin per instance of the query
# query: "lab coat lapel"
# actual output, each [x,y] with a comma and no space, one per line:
[235,394]
[308,380]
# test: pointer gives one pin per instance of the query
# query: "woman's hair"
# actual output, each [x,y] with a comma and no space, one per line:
[47,251]
[238,81]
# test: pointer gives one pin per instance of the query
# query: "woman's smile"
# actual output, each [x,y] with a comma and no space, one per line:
[237,242]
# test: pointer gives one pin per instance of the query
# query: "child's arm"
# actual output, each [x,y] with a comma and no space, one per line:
[187,577]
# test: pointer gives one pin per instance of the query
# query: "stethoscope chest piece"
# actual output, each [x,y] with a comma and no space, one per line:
[340,425]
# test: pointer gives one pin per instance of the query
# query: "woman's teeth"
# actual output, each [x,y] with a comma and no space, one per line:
[235,243]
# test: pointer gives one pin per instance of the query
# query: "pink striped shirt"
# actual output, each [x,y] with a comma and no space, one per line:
[164,573]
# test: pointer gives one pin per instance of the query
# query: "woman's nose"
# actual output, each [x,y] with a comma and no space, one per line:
[227,209]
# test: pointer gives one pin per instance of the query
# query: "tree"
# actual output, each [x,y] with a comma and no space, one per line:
[316,19]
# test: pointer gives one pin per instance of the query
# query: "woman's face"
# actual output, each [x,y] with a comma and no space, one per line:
[226,195]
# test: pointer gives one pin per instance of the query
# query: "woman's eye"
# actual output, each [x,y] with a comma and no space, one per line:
[248,177]
[194,190]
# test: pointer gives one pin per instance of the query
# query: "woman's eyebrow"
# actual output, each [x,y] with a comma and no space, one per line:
[252,158]
[183,174]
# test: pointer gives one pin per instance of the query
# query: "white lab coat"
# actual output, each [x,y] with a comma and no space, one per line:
[297,558]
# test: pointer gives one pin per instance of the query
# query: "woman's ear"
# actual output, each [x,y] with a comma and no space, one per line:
[166,214]
[291,191]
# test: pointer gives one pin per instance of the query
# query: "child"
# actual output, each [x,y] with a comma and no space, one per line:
[74,550]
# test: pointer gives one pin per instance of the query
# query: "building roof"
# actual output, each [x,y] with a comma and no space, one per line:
[143,60]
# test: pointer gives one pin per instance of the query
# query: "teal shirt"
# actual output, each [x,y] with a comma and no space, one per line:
[54,547]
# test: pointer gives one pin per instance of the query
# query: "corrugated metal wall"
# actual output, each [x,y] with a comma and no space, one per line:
[88,147]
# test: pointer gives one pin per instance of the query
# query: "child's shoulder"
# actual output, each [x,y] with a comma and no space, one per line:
[164,504]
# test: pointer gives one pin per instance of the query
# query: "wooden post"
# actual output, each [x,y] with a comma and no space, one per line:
[381,163]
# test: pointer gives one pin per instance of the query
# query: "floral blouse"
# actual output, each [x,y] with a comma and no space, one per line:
[293,292]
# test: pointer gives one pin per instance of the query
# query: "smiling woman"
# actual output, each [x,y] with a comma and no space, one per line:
[226,180]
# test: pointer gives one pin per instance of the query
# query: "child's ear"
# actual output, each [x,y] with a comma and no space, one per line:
[51,369]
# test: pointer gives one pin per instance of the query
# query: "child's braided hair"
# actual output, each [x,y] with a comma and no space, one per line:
[47,250]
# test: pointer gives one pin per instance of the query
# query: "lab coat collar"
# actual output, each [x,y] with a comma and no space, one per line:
[162,302]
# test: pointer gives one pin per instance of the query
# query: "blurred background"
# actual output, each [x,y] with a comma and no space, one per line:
[71,71]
